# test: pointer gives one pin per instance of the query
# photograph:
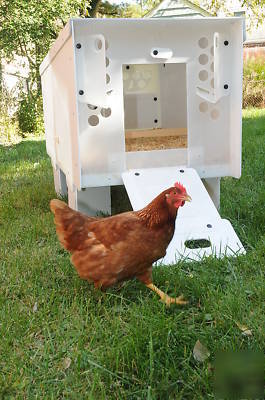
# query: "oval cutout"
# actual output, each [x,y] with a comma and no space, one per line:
[197,243]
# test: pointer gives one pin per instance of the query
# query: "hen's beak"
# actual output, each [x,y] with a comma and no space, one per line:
[187,198]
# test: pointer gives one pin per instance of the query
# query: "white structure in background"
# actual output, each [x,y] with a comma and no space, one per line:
[106,81]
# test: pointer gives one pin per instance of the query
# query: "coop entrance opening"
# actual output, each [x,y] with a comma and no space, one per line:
[155,106]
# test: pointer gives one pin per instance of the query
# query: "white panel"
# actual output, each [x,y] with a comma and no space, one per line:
[195,221]
[156,158]
[60,113]
[173,95]
[90,68]
[48,108]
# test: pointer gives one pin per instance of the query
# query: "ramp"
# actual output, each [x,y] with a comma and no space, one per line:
[200,231]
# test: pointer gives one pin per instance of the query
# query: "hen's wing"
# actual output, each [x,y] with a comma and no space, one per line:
[105,250]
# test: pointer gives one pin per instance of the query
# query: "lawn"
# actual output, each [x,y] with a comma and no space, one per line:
[61,339]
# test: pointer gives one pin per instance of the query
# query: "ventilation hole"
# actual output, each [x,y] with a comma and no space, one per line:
[197,243]
[203,42]
[203,75]
[93,120]
[107,78]
[107,61]
[106,44]
[214,113]
[181,170]
[212,83]
[137,173]
[105,112]
[209,226]
[98,44]
[212,51]
[212,67]
[203,59]
[203,107]
[91,107]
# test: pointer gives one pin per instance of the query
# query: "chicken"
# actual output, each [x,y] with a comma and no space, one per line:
[109,250]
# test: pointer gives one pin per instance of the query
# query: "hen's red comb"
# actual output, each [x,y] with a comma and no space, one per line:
[179,185]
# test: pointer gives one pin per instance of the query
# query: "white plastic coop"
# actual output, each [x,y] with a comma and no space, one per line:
[144,103]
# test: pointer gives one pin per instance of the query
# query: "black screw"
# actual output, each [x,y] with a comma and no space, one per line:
[137,173]
[181,170]
[155,98]
[127,67]
[155,52]
[81,92]
[209,226]
[155,121]
[225,86]
[226,43]
[78,46]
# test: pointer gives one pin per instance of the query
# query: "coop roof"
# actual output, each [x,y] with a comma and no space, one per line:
[176,9]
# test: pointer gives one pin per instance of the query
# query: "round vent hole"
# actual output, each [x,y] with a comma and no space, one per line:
[93,120]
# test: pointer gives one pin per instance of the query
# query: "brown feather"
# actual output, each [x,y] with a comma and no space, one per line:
[119,247]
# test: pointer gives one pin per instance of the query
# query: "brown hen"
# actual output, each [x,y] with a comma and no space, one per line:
[124,246]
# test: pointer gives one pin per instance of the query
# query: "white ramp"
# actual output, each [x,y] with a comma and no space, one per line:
[200,231]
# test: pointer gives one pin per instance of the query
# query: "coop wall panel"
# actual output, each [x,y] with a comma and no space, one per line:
[146,74]
[61,123]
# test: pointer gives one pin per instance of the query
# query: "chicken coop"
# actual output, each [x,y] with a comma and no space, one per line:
[144,103]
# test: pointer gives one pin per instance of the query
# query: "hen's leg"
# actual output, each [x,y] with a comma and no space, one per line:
[146,278]
[165,298]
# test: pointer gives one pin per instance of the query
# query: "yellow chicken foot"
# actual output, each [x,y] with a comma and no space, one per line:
[165,298]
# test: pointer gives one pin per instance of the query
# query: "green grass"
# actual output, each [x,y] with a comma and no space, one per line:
[123,344]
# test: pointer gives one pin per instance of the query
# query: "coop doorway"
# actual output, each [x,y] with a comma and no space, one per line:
[155,106]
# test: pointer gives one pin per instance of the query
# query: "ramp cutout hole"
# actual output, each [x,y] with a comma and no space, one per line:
[197,243]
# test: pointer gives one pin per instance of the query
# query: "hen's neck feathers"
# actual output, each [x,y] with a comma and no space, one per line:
[158,212]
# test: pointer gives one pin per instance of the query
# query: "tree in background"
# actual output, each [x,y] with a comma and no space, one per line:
[27,29]
[255,7]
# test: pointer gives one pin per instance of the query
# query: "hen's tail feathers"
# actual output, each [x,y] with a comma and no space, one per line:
[71,225]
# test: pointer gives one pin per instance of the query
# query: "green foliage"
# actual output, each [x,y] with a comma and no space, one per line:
[254,69]
[28,29]
[255,7]
[254,83]
[26,114]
